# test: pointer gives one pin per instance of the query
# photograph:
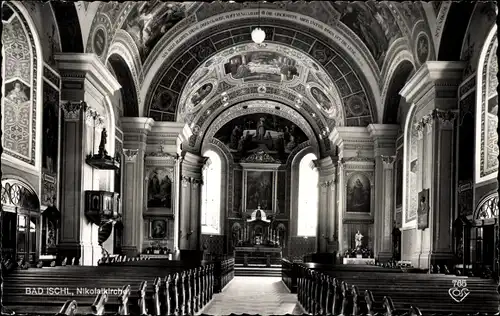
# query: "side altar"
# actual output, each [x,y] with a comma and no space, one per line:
[258,242]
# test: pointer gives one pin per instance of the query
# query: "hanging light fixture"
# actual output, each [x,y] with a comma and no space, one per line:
[258,35]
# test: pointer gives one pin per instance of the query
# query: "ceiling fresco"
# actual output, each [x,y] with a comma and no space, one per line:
[253,133]
[334,88]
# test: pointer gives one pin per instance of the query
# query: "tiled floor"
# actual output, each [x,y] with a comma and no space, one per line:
[254,295]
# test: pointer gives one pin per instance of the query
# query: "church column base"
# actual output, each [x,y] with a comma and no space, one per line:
[130,251]
[384,256]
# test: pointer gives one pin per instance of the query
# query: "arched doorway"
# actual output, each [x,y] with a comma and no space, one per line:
[21,222]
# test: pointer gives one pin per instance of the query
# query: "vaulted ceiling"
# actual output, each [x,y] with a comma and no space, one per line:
[341,54]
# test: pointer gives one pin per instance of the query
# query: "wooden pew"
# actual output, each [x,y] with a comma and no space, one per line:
[373,307]
[142,298]
[99,303]
[123,299]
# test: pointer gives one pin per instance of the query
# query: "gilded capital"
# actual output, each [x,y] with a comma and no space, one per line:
[130,154]
[71,109]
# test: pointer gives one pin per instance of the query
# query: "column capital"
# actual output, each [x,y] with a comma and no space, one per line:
[130,154]
[72,109]
[388,161]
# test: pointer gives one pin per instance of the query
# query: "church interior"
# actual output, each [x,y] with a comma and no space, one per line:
[261,157]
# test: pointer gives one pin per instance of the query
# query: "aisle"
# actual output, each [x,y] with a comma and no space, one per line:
[254,295]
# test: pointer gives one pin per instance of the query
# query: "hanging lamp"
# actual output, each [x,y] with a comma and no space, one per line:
[258,35]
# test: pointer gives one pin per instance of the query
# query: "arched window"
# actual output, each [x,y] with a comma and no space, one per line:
[487,109]
[307,220]
[210,208]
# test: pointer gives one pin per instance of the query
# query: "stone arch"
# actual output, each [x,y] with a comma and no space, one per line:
[486,162]
[125,79]
[69,26]
[25,72]
[399,76]
[408,185]
[454,28]
[31,200]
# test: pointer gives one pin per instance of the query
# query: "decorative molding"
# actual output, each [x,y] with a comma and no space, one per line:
[260,157]
[327,183]
[71,109]
[130,154]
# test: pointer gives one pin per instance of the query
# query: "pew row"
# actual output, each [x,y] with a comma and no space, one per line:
[187,287]
[428,292]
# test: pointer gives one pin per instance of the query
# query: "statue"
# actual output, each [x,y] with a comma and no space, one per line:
[359,239]
[102,150]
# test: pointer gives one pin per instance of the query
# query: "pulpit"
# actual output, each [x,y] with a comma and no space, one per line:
[258,242]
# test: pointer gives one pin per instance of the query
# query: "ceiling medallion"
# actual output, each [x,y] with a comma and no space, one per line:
[261,89]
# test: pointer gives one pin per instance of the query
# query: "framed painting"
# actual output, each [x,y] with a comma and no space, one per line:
[358,194]
[259,190]
[157,228]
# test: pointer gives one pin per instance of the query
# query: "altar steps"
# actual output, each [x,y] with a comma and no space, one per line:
[257,270]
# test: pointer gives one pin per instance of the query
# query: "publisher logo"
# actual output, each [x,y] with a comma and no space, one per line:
[459,291]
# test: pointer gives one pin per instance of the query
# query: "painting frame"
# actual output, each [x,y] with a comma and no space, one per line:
[251,192]
[423,209]
[358,186]
[158,228]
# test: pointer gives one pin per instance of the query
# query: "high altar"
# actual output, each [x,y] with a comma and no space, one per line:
[259,242]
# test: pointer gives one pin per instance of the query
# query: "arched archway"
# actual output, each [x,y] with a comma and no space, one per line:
[211,194]
[128,90]
[393,99]
[21,228]
[307,217]
[454,30]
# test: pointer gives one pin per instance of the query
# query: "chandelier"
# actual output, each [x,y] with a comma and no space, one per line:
[258,35]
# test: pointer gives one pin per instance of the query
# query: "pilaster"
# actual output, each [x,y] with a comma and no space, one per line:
[356,162]
[384,139]
[191,172]
[135,134]
[86,88]
[434,90]
[327,206]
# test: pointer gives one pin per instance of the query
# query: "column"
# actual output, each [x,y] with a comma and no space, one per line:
[135,132]
[326,205]
[384,141]
[387,210]
[72,202]
[433,92]
[190,201]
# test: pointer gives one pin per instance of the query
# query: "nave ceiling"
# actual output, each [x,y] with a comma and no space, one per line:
[179,53]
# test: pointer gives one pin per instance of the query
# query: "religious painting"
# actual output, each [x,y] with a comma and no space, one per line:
[200,94]
[358,194]
[50,127]
[159,188]
[262,65]
[423,209]
[259,190]
[158,229]
[148,21]
[17,117]
[422,48]
[99,42]
[323,101]
[373,22]
[253,133]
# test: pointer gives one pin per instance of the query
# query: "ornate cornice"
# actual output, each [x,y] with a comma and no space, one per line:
[260,157]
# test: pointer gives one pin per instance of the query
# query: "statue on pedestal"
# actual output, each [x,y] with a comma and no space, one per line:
[102,150]
[358,238]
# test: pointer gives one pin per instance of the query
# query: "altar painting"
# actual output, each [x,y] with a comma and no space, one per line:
[259,190]
[262,66]
[358,194]
[159,188]
[261,132]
